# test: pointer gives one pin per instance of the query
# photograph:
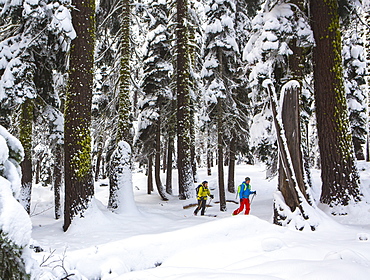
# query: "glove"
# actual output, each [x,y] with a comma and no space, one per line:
[212,196]
[254,192]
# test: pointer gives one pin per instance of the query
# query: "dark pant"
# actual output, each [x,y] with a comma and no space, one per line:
[201,205]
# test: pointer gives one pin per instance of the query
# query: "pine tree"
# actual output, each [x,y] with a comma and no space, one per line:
[196,32]
[221,55]
[354,78]
[267,54]
[50,54]
[17,65]
[240,119]
[29,56]
[340,178]
[155,105]
[124,105]
[79,185]
[105,98]
[278,37]
[185,173]
[120,190]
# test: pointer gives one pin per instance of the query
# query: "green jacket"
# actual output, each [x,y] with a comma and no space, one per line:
[203,192]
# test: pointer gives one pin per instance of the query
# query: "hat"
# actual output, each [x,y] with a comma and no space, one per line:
[247,179]
[204,182]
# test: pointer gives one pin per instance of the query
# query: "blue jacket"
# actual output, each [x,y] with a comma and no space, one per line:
[244,190]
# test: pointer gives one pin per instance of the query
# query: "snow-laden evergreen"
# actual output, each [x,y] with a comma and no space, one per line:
[156,102]
[266,54]
[221,55]
[121,199]
[156,95]
[15,224]
[354,80]
[220,50]
[45,32]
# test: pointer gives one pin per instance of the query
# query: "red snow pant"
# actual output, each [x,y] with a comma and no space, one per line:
[244,202]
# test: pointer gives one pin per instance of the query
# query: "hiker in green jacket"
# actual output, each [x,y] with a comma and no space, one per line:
[202,194]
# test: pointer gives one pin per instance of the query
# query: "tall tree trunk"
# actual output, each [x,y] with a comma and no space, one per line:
[293,196]
[185,173]
[367,51]
[339,175]
[157,167]
[98,161]
[169,164]
[192,145]
[79,183]
[170,151]
[209,155]
[124,108]
[25,123]
[165,157]
[124,105]
[220,153]
[290,120]
[150,175]
[57,182]
[231,177]
[38,166]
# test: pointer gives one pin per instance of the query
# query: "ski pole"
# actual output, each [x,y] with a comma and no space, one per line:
[252,199]
[205,210]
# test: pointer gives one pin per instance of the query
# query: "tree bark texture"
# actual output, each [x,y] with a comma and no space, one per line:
[171,125]
[340,179]
[124,105]
[185,173]
[99,158]
[124,110]
[57,178]
[192,145]
[150,175]
[25,123]
[209,155]
[164,157]
[79,183]
[367,48]
[169,164]
[220,153]
[290,119]
[291,189]
[231,176]
[157,167]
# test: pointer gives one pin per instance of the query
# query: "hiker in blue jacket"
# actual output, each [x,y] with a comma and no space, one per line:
[244,190]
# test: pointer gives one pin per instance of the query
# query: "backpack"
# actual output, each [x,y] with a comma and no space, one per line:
[197,189]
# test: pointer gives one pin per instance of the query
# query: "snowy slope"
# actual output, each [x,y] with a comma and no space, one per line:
[164,241]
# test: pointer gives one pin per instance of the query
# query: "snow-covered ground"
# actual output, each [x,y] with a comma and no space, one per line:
[165,241]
